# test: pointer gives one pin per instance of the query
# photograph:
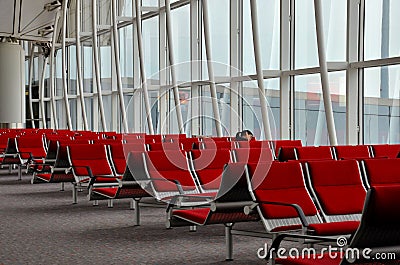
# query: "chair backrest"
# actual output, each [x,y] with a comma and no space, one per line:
[33,144]
[166,168]
[164,146]
[305,153]
[134,147]
[52,148]
[187,143]
[173,137]
[118,158]
[152,138]
[280,182]
[135,167]
[93,156]
[380,222]
[332,182]
[234,186]
[287,154]
[385,150]
[358,152]
[208,165]
[4,140]
[209,143]
[253,155]
[12,149]
[253,144]
[385,171]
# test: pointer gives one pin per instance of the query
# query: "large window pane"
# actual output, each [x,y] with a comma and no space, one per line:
[180,18]
[310,120]
[306,49]
[126,56]
[382,105]
[252,117]
[382,26]
[151,47]
[269,31]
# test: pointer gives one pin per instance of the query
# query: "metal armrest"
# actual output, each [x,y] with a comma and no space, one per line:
[301,215]
[193,200]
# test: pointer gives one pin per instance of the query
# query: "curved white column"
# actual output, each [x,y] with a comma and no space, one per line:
[117,65]
[41,92]
[172,65]
[79,63]
[52,79]
[260,79]
[142,66]
[64,64]
[30,74]
[326,93]
[213,90]
[96,64]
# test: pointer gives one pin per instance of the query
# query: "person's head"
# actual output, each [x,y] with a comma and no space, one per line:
[247,134]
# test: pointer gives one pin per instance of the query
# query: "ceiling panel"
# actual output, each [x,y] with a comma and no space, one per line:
[6,16]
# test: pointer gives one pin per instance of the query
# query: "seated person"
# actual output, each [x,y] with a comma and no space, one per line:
[245,135]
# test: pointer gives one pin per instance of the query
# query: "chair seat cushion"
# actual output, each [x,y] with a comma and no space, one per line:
[109,192]
[335,228]
[198,216]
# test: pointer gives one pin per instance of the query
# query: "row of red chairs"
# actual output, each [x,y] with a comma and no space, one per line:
[314,205]
[326,203]
[339,152]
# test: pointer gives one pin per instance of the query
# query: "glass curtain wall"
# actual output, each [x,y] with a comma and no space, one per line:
[376,65]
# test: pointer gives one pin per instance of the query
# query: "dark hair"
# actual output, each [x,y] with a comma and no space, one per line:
[247,132]
[241,136]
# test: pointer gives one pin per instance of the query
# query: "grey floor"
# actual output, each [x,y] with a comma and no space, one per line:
[40,225]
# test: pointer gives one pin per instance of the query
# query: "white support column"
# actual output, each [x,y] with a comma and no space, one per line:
[352,74]
[64,63]
[326,93]
[136,100]
[172,65]
[117,65]
[164,118]
[235,61]
[213,89]
[79,63]
[52,76]
[142,66]
[30,75]
[260,79]
[41,92]
[195,68]
[285,58]
[96,65]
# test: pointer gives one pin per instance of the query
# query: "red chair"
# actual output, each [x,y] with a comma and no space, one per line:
[385,150]
[164,146]
[332,182]
[169,174]
[128,187]
[226,207]
[284,149]
[357,152]
[306,153]
[208,165]
[24,150]
[284,203]
[383,171]
[253,155]
[90,164]
[379,232]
